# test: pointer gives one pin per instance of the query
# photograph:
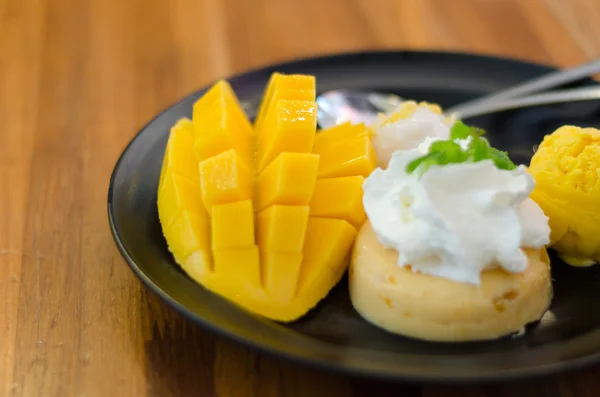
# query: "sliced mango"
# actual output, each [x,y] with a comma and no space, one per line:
[182,215]
[289,179]
[326,248]
[347,158]
[198,265]
[238,269]
[339,198]
[266,217]
[292,128]
[281,228]
[225,179]
[238,216]
[189,233]
[176,158]
[280,274]
[221,90]
[218,130]
[178,194]
[286,87]
[339,133]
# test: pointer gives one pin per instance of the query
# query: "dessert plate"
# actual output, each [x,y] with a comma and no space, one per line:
[333,335]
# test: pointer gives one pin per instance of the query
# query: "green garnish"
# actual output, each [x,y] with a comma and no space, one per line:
[501,159]
[427,160]
[450,152]
[440,153]
[479,149]
[462,131]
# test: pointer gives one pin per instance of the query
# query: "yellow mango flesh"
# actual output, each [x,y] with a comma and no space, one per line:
[184,220]
[225,179]
[179,194]
[224,216]
[188,233]
[291,128]
[281,228]
[354,156]
[182,174]
[339,133]
[283,87]
[281,271]
[247,213]
[218,130]
[221,91]
[289,179]
[177,158]
[237,273]
[339,198]
[326,250]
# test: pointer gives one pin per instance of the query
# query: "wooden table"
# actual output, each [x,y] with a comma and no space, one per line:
[77,80]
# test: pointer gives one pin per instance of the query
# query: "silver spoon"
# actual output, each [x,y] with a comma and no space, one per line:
[337,106]
[366,112]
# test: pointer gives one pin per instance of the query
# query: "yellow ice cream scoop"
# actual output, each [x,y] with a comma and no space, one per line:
[566,168]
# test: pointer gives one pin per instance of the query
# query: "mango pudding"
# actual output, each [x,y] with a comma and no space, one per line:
[264,215]
[453,248]
[566,167]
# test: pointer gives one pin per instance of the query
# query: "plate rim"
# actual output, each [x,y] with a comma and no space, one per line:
[314,362]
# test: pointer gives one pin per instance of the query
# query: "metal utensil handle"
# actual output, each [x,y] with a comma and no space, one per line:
[547,98]
[545,82]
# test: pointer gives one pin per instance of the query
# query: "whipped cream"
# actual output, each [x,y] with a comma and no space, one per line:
[407,133]
[455,220]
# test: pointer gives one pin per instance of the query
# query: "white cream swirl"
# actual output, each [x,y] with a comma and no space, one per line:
[456,220]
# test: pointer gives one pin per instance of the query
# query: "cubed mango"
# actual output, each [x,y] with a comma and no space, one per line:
[348,158]
[282,86]
[178,194]
[328,242]
[198,265]
[280,274]
[188,234]
[225,179]
[339,133]
[291,129]
[221,90]
[218,131]
[264,217]
[239,266]
[232,225]
[289,179]
[339,198]
[281,228]
[177,159]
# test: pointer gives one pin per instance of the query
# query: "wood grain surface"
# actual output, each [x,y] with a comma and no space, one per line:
[78,78]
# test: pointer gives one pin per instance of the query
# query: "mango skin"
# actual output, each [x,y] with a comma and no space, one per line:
[566,168]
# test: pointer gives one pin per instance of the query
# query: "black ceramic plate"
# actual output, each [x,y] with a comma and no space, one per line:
[332,335]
